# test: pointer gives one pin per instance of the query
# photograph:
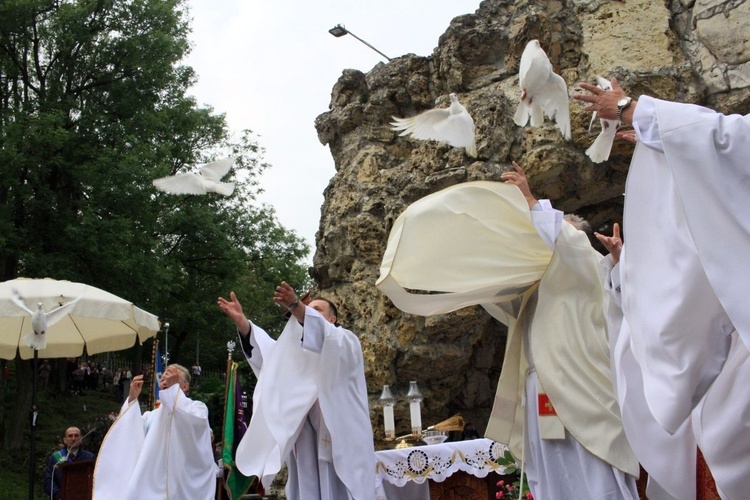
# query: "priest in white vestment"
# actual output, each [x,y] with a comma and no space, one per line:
[160,454]
[555,405]
[310,406]
[574,443]
[685,277]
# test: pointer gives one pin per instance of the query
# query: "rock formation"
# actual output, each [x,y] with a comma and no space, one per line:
[690,51]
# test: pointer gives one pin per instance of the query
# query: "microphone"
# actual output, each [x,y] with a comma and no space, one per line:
[99,425]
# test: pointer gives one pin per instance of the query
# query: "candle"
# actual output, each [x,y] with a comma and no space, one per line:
[387,400]
[414,397]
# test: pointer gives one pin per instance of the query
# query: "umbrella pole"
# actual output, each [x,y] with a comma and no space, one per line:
[32,416]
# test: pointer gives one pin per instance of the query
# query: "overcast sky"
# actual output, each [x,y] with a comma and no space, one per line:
[270,66]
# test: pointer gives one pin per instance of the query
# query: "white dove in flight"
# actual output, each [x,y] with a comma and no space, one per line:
[41,321]
[206,180]
[602,145]
[452,125]
[543,92]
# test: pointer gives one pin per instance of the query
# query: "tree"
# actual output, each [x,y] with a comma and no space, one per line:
[93,106]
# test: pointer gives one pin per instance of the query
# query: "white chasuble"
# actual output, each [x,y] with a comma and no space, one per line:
[163,454]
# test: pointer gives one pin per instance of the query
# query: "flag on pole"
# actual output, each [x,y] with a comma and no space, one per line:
[236,417]
[158,370]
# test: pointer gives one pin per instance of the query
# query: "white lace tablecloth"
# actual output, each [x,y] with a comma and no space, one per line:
[438,461]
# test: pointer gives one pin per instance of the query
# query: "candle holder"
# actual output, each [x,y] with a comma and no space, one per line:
[387,401]
[414,397]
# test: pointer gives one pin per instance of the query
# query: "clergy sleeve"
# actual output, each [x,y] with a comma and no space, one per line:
[314,330]
[611,282]
[646,124]
[547,222]
[167,396]
[256,346]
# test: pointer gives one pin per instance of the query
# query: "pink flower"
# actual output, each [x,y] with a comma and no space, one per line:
[499,495]
[529,496]
[500,483]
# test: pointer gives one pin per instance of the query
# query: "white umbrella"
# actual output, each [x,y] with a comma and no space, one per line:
[99,320]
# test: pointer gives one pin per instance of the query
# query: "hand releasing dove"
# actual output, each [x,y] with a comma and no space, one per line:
[453,126]
[206,180]
[543,92]
[602,145]
[40,320]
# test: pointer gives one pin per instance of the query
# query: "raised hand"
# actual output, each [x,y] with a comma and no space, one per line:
[613,243]
[233,309]
[518,178]
[135,388]
[603,102]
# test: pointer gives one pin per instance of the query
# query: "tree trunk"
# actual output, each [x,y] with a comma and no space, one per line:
[3,390]
[18,419]
[60,380]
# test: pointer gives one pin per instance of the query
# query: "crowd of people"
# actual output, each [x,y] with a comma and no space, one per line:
[87,375]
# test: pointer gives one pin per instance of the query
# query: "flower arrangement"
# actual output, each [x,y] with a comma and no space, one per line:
[507,489]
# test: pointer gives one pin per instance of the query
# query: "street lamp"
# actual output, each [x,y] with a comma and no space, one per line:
[339,30]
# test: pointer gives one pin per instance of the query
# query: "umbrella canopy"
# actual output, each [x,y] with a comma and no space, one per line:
[99,320]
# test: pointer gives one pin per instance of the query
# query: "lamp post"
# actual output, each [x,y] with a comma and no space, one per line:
[414,397]
[166,345]
[339,30]
[387,400]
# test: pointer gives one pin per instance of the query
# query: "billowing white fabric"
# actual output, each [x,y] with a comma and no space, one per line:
[683,265]
[164,454]
[291,380]
[473,241]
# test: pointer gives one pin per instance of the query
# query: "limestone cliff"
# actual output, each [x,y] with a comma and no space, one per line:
[689,51]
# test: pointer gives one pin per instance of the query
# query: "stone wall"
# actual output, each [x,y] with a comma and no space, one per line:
[679,50]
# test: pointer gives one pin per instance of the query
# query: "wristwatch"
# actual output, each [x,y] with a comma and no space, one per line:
[621,105]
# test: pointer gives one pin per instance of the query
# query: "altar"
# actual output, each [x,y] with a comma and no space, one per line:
[460,469]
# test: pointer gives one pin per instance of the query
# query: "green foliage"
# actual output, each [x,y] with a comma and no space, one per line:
[93,107]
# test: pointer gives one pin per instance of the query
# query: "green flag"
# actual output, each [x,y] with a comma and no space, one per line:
[236,416]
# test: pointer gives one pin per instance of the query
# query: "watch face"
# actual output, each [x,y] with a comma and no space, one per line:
[624,101]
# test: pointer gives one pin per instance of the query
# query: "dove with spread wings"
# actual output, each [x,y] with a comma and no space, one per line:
[40,320]
[206,180]
[453,126]
[602,145]
[543,92]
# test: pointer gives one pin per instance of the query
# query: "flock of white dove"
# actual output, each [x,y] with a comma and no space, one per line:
[543,93]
